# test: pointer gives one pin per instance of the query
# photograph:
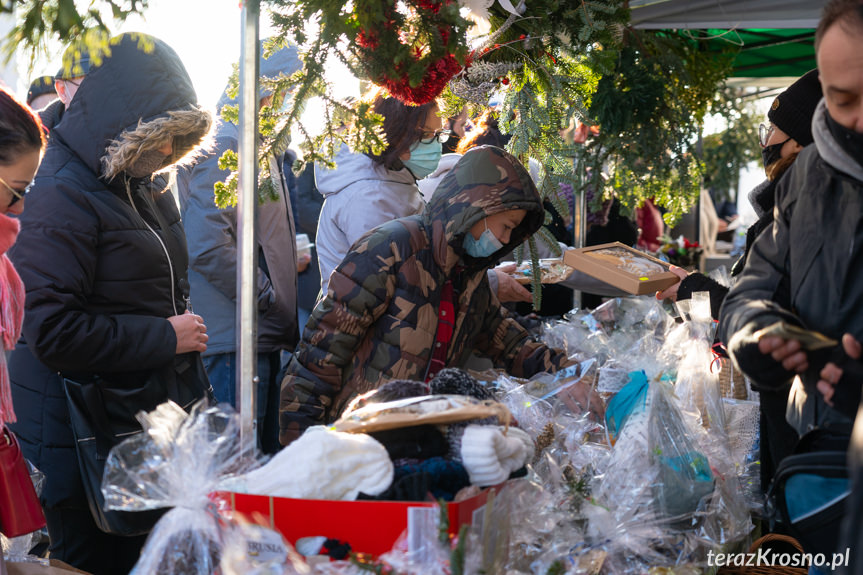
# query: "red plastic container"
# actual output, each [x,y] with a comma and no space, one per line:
[368,526]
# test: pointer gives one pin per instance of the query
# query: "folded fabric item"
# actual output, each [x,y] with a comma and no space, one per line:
[322,464]
[446,478]
[490,457]
[419,442]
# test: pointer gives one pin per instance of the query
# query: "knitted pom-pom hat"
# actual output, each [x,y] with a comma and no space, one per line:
[453,381]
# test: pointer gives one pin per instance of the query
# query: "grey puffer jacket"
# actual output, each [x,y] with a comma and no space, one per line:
[807,268]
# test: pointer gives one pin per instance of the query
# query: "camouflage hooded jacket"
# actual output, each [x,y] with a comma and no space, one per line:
[379,318]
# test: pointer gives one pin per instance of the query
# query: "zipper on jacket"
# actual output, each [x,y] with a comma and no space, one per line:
[161,243]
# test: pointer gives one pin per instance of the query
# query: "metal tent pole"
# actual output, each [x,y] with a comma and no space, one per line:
[579,221]
[247,316]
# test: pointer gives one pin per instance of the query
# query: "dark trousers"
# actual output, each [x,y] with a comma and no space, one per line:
[778,438]
[222,371]
[76,540]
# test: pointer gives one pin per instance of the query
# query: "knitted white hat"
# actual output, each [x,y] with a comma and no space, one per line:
[324,464]
[489,456]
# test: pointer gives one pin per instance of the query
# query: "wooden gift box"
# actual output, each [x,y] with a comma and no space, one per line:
[623,267]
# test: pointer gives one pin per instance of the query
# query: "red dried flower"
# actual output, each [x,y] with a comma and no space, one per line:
[367,40]
[434,81]
[430,5]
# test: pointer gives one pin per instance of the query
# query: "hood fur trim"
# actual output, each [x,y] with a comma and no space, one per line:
[190,130]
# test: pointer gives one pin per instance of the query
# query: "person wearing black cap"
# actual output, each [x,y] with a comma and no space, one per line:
[789,131]
[41,92]
[76,64]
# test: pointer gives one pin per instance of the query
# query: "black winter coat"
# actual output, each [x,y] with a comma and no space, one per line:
[95,263]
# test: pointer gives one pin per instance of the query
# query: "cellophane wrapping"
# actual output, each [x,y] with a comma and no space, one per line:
[658,492]
[17,549]
[176,462]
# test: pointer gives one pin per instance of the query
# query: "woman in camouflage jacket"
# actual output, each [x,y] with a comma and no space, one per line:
[386,314]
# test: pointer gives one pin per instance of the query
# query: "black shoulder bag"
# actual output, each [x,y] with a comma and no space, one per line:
[810,489]
[102,410]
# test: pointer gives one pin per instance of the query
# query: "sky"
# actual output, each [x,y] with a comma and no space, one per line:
[205,34]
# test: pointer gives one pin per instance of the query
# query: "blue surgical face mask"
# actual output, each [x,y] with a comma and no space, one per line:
[486,245]
[425,156]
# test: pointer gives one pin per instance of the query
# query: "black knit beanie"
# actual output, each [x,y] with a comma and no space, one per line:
[792,110]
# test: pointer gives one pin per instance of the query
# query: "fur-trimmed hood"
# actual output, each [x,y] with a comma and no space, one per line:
[137,97]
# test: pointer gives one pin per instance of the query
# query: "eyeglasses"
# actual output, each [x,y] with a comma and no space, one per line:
[16,194]
[441,136]
[764,133]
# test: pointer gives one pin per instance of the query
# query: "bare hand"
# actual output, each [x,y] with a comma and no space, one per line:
[303,263]
[786,351]
[508,288]
[671,292]
[582,397]
[831,374]
[191,332]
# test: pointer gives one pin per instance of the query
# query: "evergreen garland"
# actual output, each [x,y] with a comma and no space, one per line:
[726,153]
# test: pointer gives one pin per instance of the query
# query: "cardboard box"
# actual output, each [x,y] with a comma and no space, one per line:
[623,267]
[368,526]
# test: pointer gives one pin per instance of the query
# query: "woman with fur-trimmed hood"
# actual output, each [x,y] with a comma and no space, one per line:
[412,296]
[102,254]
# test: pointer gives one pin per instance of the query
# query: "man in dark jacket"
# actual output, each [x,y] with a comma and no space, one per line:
[66,82]
[797,272]
[837,42]
[211,233]
[102,254]
[807,268]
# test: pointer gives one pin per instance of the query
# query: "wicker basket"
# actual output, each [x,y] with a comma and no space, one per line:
[765,570]
[732,383]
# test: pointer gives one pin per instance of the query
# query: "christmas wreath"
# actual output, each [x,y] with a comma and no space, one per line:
[411,48]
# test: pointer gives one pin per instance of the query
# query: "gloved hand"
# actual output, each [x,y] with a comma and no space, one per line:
[770,362]
[842,377]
